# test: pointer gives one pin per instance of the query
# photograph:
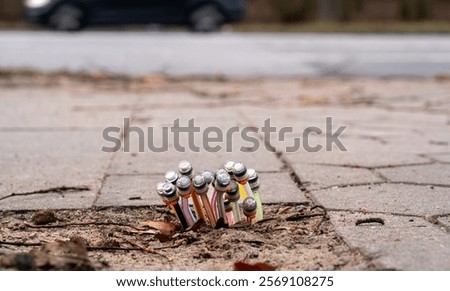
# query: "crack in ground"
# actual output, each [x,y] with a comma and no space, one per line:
[133,109]
[271,172]
[375,212]
[303,188]
[307,192]
[376,167]
[59,190]
[379,175]
[286,166]
[376,183]
[103,179]
[420,184]
[345,186]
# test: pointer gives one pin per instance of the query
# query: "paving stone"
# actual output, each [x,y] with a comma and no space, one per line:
[149,162]
[321,176]
[435,174]
[377,148]
[63,107]
[51,200]
[403,243]
[388,198]
[130,191]
[38,161]
[279,188]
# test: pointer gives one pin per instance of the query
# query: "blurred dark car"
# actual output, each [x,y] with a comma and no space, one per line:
[70,15]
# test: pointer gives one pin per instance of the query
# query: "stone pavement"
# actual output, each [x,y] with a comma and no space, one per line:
[396,167]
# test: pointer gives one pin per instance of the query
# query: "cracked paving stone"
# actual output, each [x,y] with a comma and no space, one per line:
[435,174]
[52,200]
[46,160]
[388,198]
[322,176]
[369,159]
[402,243]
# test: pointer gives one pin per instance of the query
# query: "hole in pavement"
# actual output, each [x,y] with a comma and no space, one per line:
[370,220]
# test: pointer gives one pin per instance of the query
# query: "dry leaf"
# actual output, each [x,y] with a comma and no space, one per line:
[164,227]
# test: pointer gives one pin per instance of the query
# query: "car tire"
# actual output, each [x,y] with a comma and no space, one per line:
[67,18]
[207,18]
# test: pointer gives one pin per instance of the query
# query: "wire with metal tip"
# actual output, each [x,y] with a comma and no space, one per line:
[170,195]
[198,206]
[184,188]
[214,194]
[249,206]
[241,175]
[201,187]
[253,181]
[233,196]
[171,177]
[209,176]
[221,184]
[185,168]
[229,166]
[160,192]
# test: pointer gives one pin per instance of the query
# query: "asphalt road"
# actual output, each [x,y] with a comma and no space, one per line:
[228,54]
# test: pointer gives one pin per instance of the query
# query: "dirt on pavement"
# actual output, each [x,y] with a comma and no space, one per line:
[291,237]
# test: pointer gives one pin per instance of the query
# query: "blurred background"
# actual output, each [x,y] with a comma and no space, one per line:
[318,37]
[310,15]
